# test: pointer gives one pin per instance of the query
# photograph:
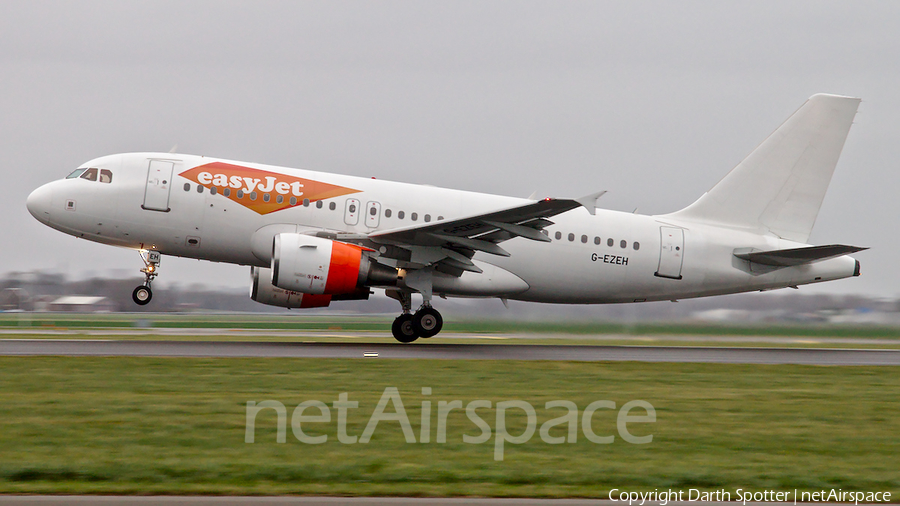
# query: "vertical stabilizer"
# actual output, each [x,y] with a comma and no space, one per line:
[780,186]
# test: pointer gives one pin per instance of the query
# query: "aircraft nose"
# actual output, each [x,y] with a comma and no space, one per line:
[39,203]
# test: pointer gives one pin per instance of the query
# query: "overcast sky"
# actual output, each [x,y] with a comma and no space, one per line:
[652,101]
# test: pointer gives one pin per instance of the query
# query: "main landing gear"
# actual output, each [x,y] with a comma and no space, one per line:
[142,294]
[424,323]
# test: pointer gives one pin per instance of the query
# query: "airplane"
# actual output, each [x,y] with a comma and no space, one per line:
[311,238]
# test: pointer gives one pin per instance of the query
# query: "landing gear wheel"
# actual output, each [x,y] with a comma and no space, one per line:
[142,295]
[403,329]
[427,322]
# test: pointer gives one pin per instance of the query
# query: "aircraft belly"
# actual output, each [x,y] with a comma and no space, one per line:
[569,273]
[492,282]
[587,273]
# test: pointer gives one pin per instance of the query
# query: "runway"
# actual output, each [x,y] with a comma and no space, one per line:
[451,351]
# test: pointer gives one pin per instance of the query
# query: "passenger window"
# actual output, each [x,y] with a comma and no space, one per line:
[637,246]
[610,242]
[105,176]
[373,211]
[387,213]
[571,237]
[623,244]
[213,190]
[401,214]
[75,173]
[332,206]
[266,197]
[305,202]
[558,236]
[597,241]
[226,192]
[414,216]
[90,175]
[199,188]
[293,201]
[584,239]
[240,194]
[319,204]
[279,199]
[427,218]
[252,195]
[187,187]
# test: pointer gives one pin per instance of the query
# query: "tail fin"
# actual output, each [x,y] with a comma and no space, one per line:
[780,186]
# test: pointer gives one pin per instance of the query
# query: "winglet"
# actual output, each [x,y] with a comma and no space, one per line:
[589,202]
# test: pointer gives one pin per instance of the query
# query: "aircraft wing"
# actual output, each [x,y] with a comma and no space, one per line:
[454,242]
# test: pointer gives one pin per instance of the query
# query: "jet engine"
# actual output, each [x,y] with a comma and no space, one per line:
[262,291]
[319,266]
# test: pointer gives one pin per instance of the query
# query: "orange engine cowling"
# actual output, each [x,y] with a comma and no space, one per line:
[315,265]
[262,291]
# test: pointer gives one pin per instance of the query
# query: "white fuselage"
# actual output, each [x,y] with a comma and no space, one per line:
[602,258]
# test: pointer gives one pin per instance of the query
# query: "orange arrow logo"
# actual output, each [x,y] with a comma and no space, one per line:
[259,190]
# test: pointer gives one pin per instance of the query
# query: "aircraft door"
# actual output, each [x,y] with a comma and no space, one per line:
[671,252]
[159,182]
[351,212]
[373,214]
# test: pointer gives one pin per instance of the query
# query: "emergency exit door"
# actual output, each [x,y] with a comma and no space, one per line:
[671,252]
[373,214]
[159,182]
[351,212]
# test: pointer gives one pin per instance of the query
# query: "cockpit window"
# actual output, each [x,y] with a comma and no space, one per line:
[90,174]
[105,176]
[75,173]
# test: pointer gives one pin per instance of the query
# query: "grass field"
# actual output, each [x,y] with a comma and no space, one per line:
[145,425]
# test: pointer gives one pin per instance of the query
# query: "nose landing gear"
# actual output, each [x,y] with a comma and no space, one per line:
[142,294]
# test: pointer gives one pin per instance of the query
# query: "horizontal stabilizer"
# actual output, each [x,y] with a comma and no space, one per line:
[798,256]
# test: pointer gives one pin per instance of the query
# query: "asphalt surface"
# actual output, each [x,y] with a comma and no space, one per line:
[452,351]
[291,334]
